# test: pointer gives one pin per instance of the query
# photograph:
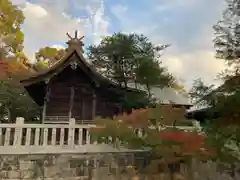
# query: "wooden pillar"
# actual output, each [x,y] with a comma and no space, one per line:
[83,110]
[71,101]
[46,98]
[105,110]
[44,110]
[94,103]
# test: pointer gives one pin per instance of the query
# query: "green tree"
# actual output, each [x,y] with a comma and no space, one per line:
[201,93]
[149,73]
[133,100]
[11,35]
[227,44]
[227,34]
[223,129]
[122,57]
[14,101]
[49,54]
[131,59]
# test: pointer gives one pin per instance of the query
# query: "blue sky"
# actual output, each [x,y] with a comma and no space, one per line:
[185,24]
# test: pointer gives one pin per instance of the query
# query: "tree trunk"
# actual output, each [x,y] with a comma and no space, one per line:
[149,90]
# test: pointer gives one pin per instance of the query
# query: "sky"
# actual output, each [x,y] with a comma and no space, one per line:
[185,24]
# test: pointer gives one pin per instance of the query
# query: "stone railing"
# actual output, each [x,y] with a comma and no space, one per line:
[23,138]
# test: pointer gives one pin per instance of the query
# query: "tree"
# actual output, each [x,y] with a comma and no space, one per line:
[227,43]
[130,59]
[223,130]
[133,100]
[49,54]
[11,35]
[221,127]
[200,92]
[149,73]
[227,32]
[122,57]
[113,57]
[15,102]
[140,130]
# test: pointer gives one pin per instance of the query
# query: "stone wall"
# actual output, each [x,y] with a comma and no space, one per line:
[48,167]
[97,167]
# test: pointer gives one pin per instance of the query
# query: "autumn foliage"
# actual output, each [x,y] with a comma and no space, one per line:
[138,118]
[188,143]
[171,143]
[16,70]
[3,69]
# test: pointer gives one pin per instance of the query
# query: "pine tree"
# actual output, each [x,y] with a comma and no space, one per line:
[227,45]
[223,131]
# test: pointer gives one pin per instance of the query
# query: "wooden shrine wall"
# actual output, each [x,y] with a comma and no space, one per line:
[71,93]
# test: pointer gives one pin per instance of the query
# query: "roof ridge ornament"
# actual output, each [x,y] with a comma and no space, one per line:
[75,42]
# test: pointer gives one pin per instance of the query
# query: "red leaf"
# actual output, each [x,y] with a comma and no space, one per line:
[182,136]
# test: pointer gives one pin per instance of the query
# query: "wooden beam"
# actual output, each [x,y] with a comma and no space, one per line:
[44,111]
[83,109]
[46,98]
[69,36]
[71,102]
[76,34]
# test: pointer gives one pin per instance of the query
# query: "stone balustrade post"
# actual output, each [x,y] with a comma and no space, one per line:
[71,132]
[18,131]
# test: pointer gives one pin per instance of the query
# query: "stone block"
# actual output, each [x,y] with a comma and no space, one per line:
[178,176]
[27,174]
[26,165]
[3,174]
[52,171]
[15,174]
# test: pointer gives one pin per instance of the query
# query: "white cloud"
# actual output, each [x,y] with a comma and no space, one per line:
[47,22]
[58,46]
[198,62]
[190,66]
[99,24]
[129,25]
[168,5]
[43,27]
[35,11]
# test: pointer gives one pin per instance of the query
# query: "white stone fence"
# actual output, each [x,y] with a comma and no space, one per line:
[23,138]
